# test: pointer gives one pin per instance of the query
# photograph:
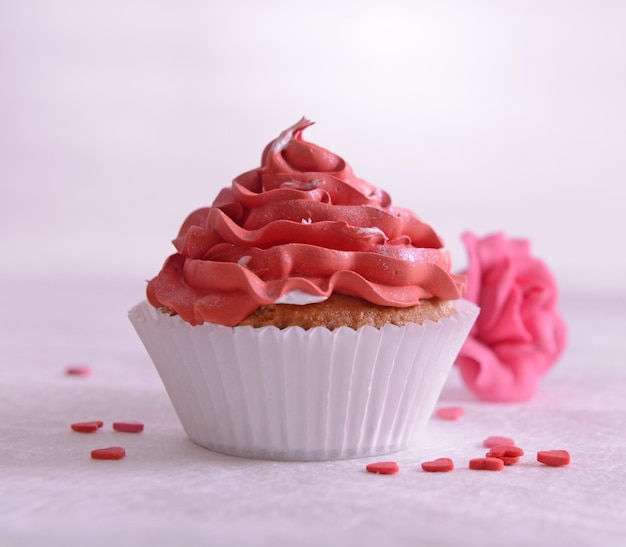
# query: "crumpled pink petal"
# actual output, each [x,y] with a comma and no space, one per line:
[519,334]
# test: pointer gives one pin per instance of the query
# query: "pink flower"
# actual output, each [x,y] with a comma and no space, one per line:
[519,334]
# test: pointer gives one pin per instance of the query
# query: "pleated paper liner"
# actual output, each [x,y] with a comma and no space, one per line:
[293,394]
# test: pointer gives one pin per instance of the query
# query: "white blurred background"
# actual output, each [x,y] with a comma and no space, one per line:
[119,117]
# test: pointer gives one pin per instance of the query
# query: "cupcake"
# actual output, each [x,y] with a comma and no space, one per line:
[302,316]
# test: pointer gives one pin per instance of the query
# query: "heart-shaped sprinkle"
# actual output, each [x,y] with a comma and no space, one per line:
[86,427]
[128,427]
[450,412]
[487,464]
[490,442]
[110,453]
[383,468]
[553,458]
[438,465]
[78,370]
[508,454]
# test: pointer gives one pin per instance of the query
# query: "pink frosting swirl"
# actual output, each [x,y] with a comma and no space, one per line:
[519,333]
[302,221]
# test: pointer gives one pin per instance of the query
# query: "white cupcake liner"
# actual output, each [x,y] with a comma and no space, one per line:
[293,394]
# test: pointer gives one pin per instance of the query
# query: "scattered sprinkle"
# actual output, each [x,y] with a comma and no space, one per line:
[110,453]
[450,412]
[509,454]
[86,427]
[487,464]
[78,370]
[128,427]
[383,468]
[490,442]
[553,458]
[438,465]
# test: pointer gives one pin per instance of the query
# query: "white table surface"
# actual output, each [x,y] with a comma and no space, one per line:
[168,491]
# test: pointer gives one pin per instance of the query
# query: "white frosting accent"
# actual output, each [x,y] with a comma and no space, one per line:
[243,261]
[371,232]
[299,298]
[310,185]
[306,221]
[287,135]
[283,140]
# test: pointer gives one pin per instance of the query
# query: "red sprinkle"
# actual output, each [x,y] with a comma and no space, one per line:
[508,454]
[86,427]
[490,442]
[438,465]
[78,370]
[553,458]
[487,464]
[450,412]
[383,468]
[128,427]
[110,453]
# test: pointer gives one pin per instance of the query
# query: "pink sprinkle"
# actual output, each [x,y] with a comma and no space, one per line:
[383,468]
[450,412]
[439,465]
[128,427]
[508,454]
[487,464]
[78,370]
[86,427]
[110,453]
[553,458]
[491,442]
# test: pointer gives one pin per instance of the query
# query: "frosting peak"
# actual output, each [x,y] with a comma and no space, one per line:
[300,223]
